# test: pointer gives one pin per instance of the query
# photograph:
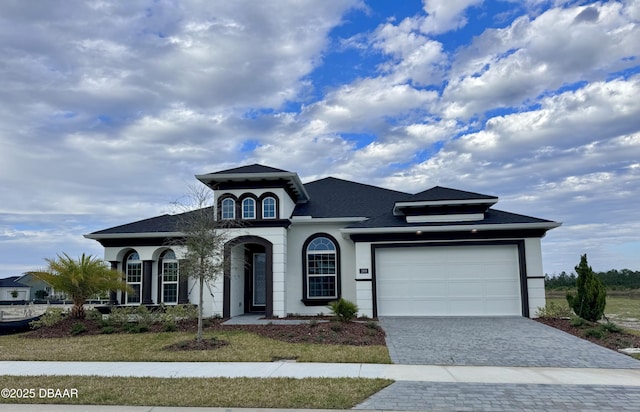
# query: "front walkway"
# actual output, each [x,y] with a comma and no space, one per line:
[411,373]
[417,387]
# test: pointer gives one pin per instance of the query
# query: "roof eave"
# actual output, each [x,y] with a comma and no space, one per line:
[451,228]
[291,176]
[144,235]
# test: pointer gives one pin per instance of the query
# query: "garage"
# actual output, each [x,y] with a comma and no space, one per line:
[478,280]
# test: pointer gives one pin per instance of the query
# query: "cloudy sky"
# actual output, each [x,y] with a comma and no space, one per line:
[109,108]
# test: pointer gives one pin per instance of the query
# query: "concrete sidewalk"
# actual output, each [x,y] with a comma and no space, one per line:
[412,373]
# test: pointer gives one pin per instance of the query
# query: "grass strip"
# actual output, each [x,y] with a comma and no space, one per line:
[149,347]
[309,393]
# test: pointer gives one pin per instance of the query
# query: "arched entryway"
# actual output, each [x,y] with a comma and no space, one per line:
[248,276]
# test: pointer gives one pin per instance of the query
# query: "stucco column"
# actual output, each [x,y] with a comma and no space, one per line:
[183,287]
[147,266]
[113,295]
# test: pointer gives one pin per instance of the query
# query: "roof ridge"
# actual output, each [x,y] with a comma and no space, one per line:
[357,183]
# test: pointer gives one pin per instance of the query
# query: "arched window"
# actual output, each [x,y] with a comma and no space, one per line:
[248,208]
[269,208]
[170,276]
[321,272]
[134,277]
[228,208]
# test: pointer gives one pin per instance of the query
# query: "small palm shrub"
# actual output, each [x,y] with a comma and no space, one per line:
[343,310]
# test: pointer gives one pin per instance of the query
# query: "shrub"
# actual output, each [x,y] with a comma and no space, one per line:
[51,317]
[335,326]
[611,327]
[597,333]
[107,330]
[590,298]
[120,316]
[179,312]
[41,294]
[169,327]
[343,310]
[144,317]
[578,322]
[372,325]
[554,310]
[78,328]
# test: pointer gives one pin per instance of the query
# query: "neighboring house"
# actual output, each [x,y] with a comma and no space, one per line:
[35,284]
[440,252]
[11,289]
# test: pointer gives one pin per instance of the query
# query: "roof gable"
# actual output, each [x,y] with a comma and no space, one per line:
[254,168]
[444,193]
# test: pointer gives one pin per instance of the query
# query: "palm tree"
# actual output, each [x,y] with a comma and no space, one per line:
[80,279]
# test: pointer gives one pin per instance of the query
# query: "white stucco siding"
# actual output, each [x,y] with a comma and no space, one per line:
[363,272]
[297,235]
[535,275]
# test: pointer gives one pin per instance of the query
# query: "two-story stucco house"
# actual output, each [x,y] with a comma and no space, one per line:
[440,252]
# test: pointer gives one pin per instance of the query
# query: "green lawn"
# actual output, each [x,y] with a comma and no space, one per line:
[312,393]
[619,307]
[242,347]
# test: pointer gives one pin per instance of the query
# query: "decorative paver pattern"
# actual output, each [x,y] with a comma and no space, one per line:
[431,396]
[503,341]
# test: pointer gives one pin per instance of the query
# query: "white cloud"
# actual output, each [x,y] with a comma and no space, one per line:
[445,15]
[116,105]
[512,66]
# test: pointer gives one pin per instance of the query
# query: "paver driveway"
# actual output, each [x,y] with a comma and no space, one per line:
[497,342]
[504,341]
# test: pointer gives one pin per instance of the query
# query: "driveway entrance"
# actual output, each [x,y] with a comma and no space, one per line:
[500,341]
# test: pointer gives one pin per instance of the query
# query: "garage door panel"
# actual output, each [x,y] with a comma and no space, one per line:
[448,281]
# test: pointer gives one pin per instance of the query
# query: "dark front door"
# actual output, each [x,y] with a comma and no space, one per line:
[255,279]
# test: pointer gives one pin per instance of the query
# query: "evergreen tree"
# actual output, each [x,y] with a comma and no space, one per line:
[590,298]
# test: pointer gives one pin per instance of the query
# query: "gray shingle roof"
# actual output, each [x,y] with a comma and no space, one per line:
[335,198]
[445,193]
[491,217]
[254,168]
[10,282]
[332,197]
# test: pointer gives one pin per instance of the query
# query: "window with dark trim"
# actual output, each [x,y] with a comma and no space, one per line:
[133,277]
[228,208]
[269,208]
[321,269]
[248,208]
[170,277]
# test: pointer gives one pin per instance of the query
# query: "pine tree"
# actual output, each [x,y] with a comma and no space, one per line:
[590,298]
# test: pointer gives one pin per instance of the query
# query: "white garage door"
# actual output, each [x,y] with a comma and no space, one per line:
[448,281]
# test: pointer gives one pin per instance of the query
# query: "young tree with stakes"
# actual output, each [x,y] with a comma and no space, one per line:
[203,242]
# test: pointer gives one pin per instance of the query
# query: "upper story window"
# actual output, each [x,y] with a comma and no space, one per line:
[269,208]
[228,208]
[248,209]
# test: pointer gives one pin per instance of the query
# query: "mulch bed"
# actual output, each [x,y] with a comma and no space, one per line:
[331,333]
[611,340]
